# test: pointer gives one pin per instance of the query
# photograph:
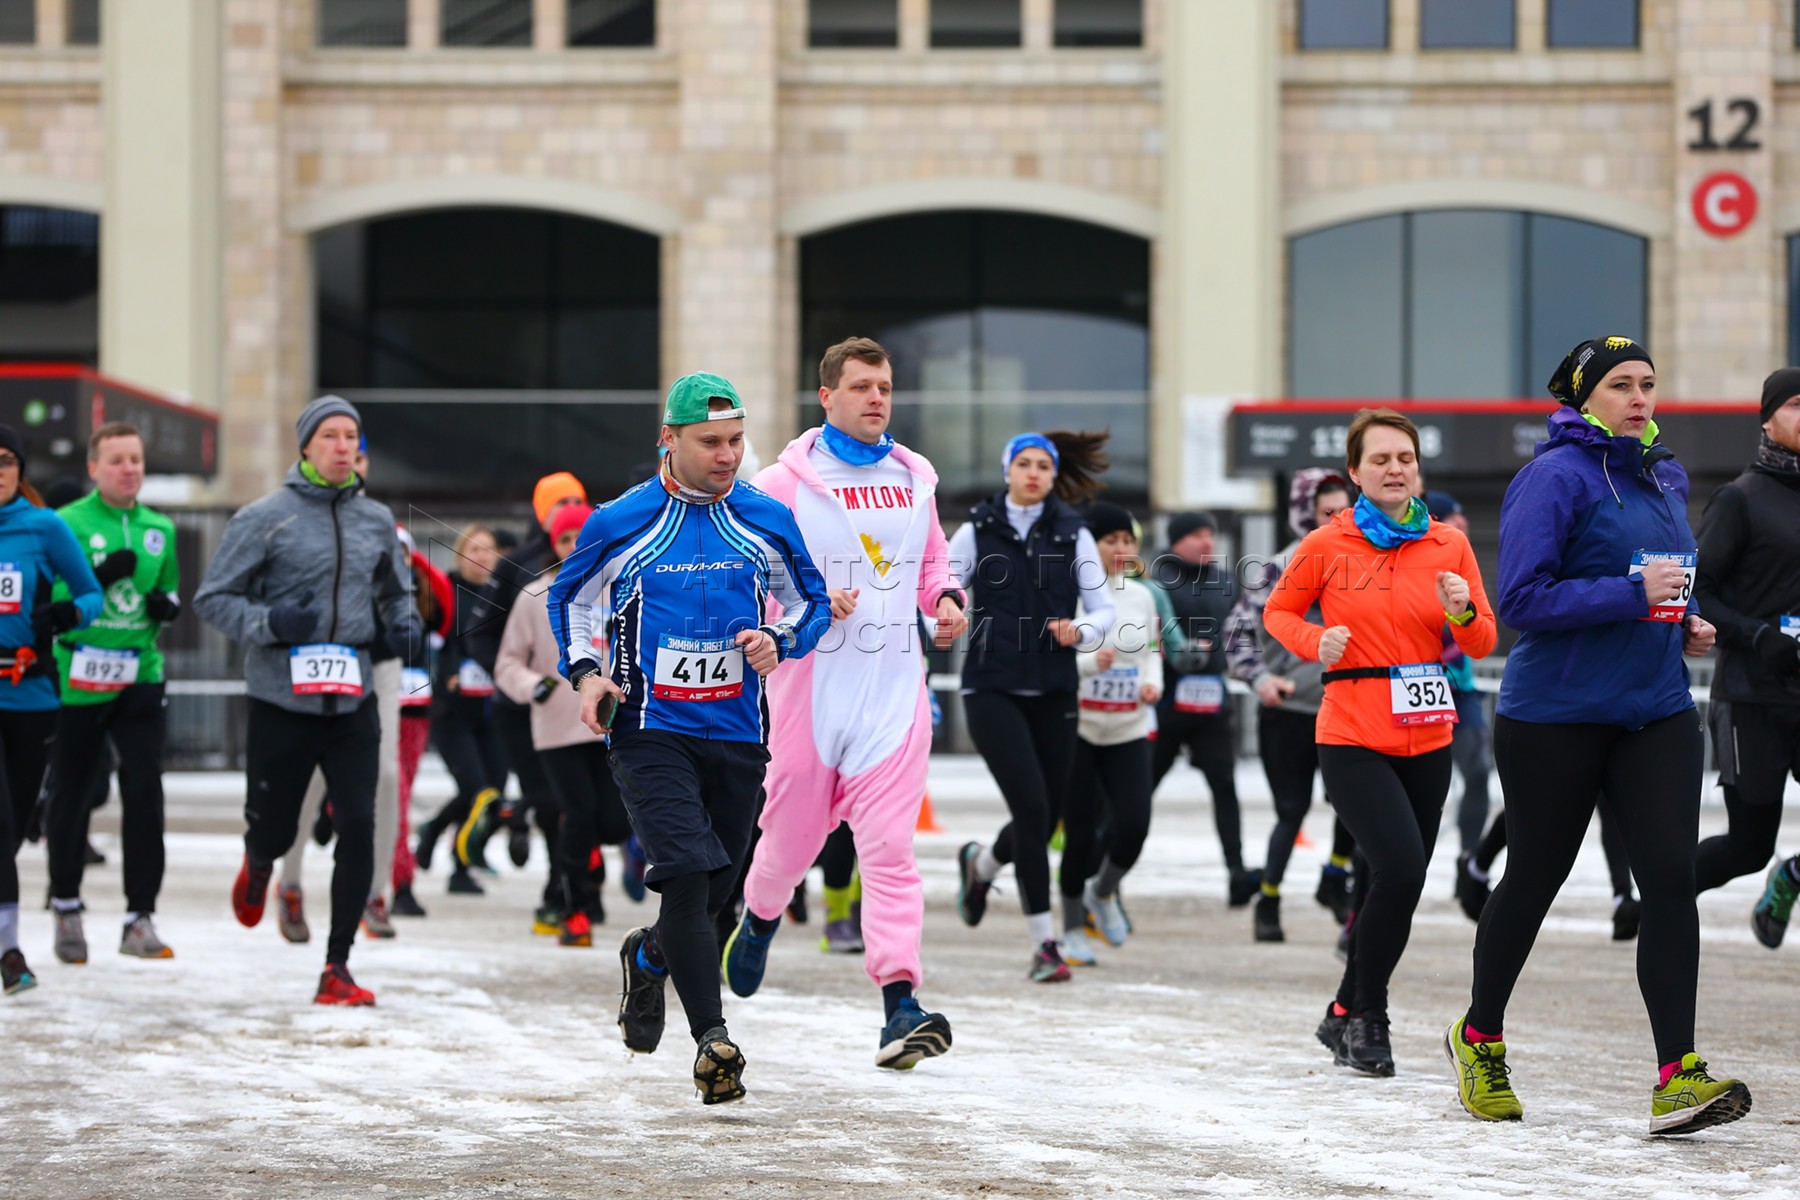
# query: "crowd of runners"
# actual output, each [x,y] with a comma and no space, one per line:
[724,677]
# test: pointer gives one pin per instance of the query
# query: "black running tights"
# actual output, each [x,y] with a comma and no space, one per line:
[1116,780]
[1393,805]
[592,814]
[1550,775]
[1027,743]
[1290,759]
[24,749]
[684,932]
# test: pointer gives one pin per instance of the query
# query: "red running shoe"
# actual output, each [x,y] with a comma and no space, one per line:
[577,930]
[250,893]
[336,987]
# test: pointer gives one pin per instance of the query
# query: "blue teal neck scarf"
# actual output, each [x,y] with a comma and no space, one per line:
[1383,532]
[845,448]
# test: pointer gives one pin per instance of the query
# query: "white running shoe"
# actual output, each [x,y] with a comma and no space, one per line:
[1109,917]
[1078,950]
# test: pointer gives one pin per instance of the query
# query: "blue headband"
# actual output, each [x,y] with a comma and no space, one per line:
[1028,441]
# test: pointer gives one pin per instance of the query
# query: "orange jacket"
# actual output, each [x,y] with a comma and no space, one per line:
[1389,600]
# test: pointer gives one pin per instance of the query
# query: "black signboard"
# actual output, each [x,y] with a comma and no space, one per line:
[55,406]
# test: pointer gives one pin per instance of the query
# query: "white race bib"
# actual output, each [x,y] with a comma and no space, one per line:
[325,668]
[1421,694]
[1791,627]
[95,670]
[1199,694]
[1111,691]
[1676,608]
[472,680]
[415,687]
[12,587]
[697,669]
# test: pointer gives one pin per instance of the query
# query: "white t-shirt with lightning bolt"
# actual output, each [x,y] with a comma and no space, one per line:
[877,498]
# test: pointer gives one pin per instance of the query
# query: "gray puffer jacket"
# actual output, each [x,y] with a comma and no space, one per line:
[332,550]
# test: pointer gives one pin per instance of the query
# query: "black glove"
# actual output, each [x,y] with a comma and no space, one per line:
[54,618]
[115,567]
[162,606]
[1778,652]
[292,623]
[546,687]
[402,640]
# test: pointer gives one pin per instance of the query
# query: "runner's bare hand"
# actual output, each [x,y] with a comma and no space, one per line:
[1333,645]
[759,650]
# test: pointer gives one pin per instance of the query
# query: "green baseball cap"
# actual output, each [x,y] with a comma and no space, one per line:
[690,398]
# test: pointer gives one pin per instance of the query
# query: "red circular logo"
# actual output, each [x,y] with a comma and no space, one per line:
[1724,204]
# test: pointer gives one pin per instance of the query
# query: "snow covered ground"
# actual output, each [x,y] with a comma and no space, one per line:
[1183,1065]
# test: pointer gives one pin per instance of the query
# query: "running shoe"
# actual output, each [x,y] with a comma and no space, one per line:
[336,987]
[92,856]
[796,906]
[1471,893]
[1366,1048]
[845,936]
[71,940]
[746,957]
[1769,919]
[375,921]
[290,915]
[1267,926]
[249,892]
[1077,949]
[1047,965]
[405,904]
[718,1068]
[1334,892]
[15,976]
[426,846]
[641,1004]
[635,865]
[464,884]
[577,930]
[1243,886]
[912,1035]
[139,940]
[1482,1085]
[518,834]
[1105,915]
[972,890]
[472,837]
[1627,913]
[1693,1100]
[323,827]
[546,921]
[1331,1033]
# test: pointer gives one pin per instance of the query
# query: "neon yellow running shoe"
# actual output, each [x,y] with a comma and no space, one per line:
[1693,1100]
[1481,1076]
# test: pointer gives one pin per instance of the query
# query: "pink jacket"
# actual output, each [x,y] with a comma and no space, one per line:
[528,655]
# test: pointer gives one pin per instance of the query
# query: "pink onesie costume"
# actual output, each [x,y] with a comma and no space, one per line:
[850,725]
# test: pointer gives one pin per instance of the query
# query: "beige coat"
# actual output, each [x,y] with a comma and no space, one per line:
[527,655]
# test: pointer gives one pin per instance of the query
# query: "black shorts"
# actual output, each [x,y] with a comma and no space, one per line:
[1757,747]
[691,801]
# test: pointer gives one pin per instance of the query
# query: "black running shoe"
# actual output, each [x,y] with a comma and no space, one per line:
[1366,1047]
[1471,893]
[92,856]
[972,890]
[1243,886]
[1626,915]
[463,884]
[405,904]
[426,846]
[1331,1033]
[1268,919]
[641,1005]
[796,907]
[1334,893]
[718,1068]
[15,976]
[322,830]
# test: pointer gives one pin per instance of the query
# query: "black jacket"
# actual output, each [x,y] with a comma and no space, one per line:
[1202,597]
[1015,590]
[1748,578]
[528,561]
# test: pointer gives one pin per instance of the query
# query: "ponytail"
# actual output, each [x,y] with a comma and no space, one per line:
[1081,460]
[30,493]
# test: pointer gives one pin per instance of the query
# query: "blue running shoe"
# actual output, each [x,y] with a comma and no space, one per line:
[635,865]
[912,1035]
[746,957]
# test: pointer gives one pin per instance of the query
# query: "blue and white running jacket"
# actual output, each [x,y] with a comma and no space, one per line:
[675,583]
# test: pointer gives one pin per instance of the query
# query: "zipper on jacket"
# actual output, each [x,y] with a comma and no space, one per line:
[337,570]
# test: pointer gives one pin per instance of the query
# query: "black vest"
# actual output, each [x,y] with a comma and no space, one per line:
[1764,585]
[1015,590]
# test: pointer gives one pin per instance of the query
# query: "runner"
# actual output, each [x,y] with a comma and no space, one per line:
[301,578]
[1026,559]
[1121,681]
[572,756]
[1385,577]
[1749,586]
[1596,571]
[852,724]
[36,549]
[682,567]
[434,597]
[112,685]
[1288,691]
[1195,713]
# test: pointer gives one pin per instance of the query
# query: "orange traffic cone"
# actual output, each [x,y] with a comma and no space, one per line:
[928,822]
[1302,841]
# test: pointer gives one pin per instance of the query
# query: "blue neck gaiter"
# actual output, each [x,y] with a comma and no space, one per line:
[845,448]
[1383,532]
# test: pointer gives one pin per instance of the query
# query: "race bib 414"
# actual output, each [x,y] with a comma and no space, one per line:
[697,669]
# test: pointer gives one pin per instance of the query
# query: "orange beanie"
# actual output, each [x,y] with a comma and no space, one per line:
[552,488]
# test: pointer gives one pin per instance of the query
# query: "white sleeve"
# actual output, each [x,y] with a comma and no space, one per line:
[962,555]
[1096,597]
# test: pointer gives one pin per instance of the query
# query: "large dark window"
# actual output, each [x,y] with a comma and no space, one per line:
[1593,23]
[49,285]
[18,22]
[1465,303]
[1343,24]
[362,23]
[487,298]
[84,22]
[968,24]
[998,322]
[1466,24]
[1793,266]
[612,22]
[486,22]
[833,23]
[1099,22]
